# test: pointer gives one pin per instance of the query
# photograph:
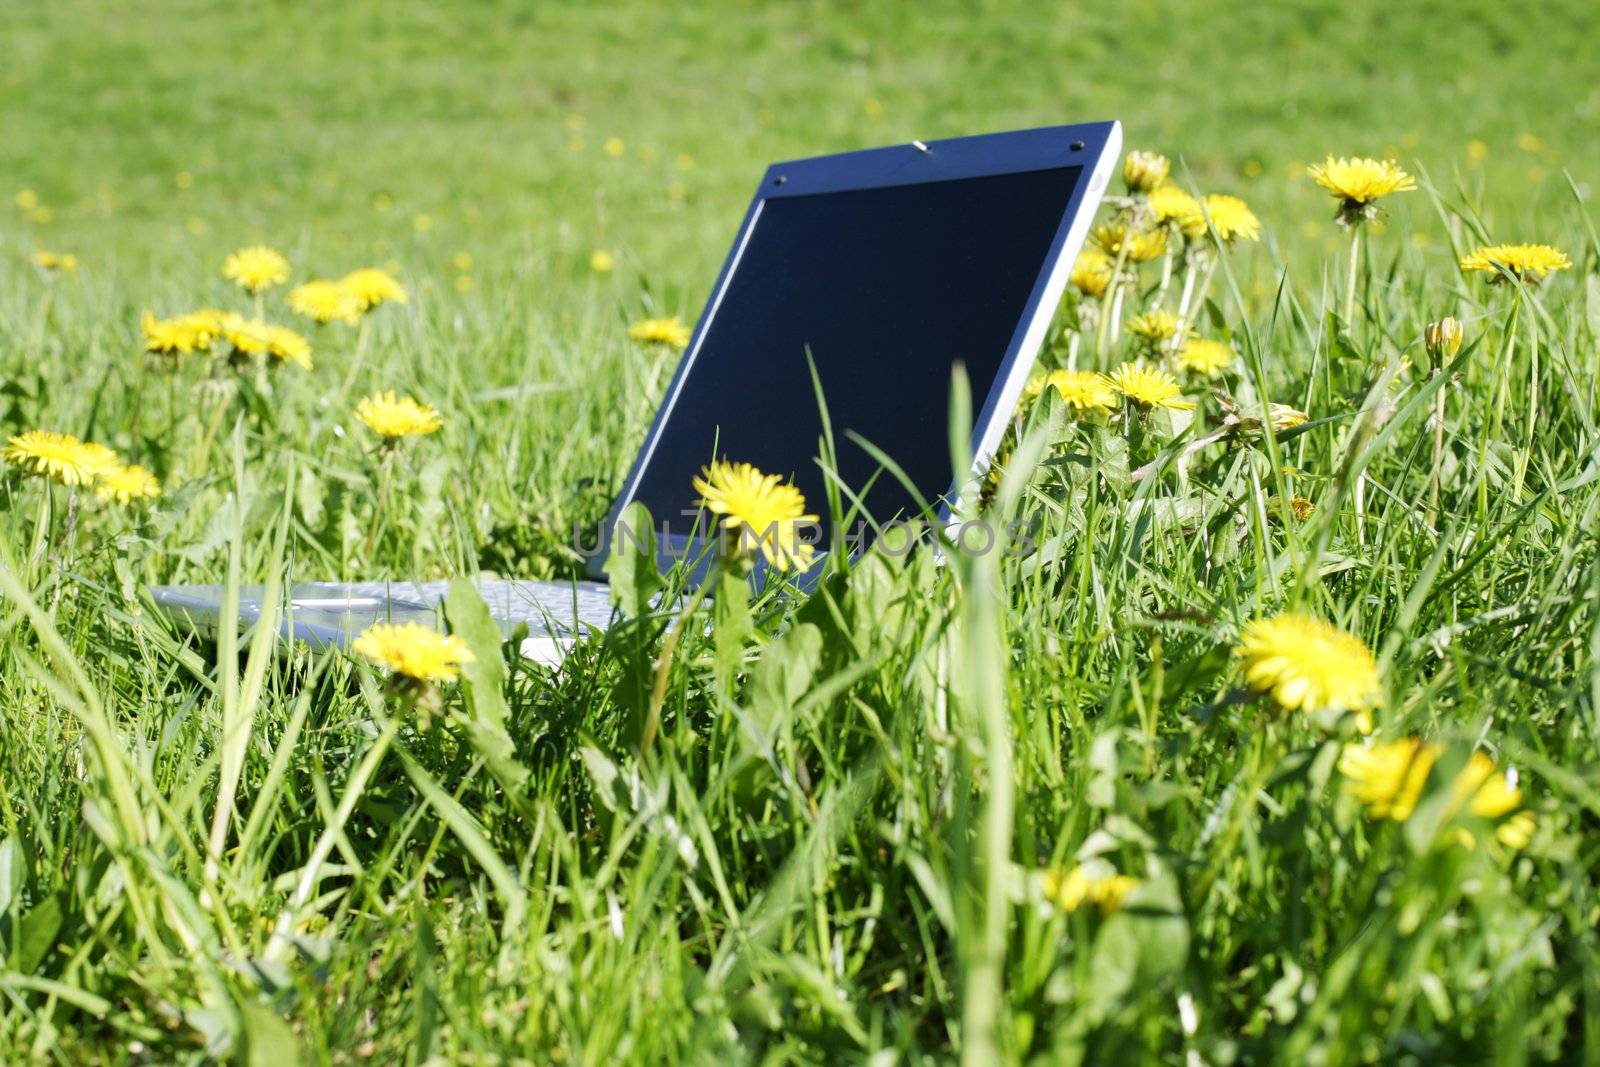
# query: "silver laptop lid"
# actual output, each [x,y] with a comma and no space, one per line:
[886,266]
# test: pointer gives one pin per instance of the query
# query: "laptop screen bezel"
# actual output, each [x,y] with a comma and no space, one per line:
[1093,147]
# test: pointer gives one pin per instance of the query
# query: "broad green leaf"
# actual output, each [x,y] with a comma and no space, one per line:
[483,683]
[631,567]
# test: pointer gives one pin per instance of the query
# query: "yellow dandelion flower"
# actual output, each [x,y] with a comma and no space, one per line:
[61,457]
[1359,183]
[1148,387]
[1104,889]
[1143,171]
[286,345]
[1232,217]
[462,260]
[670,332]
[758,511]
[1141,245]
[256,269]
[1091,274]
[414,651]
[1310,665]
[65,262]
[1083,391]
[392,416]
[615,148]
[1388,778]
[1155,326]
[1529,263]
[1492,794]
[602,261]
[372,286]
[180,335]
[100,459]
[1172,205]
[127,485]
[26,200]
[324,302]
[247,336]
[1202,355]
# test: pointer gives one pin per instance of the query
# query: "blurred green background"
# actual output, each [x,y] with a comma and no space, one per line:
[523,134]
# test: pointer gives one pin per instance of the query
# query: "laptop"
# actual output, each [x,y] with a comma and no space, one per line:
[876,271]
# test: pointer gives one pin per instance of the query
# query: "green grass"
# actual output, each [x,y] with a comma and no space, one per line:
[827,843]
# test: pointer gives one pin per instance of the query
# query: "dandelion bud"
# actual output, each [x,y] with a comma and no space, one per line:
[1442,339]
[1143,171]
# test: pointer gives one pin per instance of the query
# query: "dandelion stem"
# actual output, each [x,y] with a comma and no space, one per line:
[41,534]
[1501,370]
[669,646]
[381,509]
[1438,448]
[64,553]
[1350,282]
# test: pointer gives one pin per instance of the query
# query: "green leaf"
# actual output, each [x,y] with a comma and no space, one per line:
[631,567]
[268,1041]
[483,683]
[36,934]
[731,629]
[782,677]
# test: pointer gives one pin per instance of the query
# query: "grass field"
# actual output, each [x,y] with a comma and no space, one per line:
[1006,810]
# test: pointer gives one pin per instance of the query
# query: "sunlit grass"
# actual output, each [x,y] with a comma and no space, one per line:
[1051,805]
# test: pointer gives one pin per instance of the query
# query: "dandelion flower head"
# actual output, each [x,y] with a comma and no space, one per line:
[1359,183]
[1082,391]
[372,286]
[1203,355]
[1091,273]
[392,416]
[414,651]
[324,302]
[1232,217]
[1172,205]
[1307,664]
[1526,262]
[670,332]
[1119,239]
[1155,326]
[256,269]
[1148,387]
[1143,171]
[760,510]
[127,485]
[60,457]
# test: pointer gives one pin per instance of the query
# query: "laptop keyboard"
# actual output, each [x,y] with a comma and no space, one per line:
[552,608]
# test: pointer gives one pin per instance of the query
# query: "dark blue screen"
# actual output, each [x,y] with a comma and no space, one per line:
[887,288]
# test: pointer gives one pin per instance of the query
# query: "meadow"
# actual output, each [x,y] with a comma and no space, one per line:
[1279,746]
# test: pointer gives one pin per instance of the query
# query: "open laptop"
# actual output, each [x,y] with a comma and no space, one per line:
[881,268]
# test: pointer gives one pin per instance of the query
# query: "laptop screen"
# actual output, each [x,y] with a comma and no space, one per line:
[886,288]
